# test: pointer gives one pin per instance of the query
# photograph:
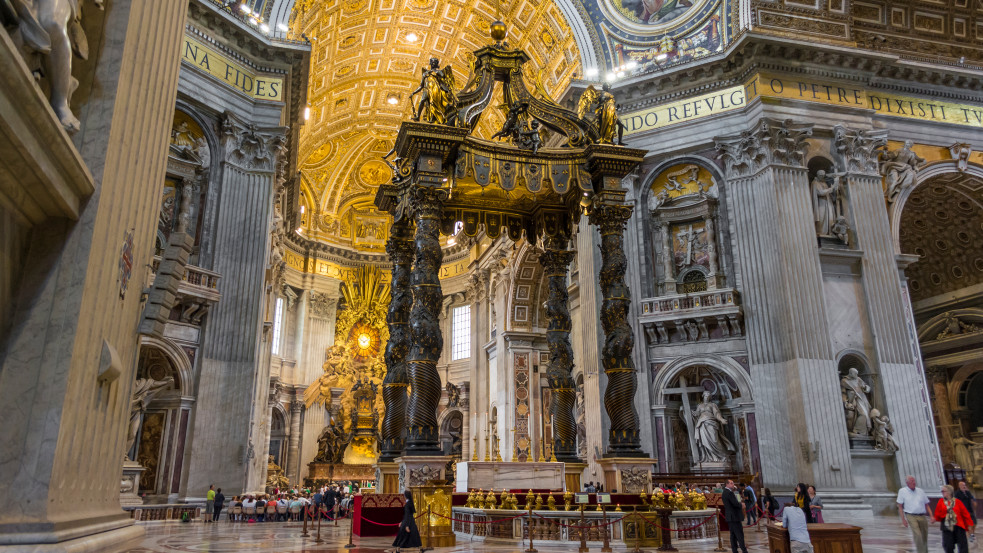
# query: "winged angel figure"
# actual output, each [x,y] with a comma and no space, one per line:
[438,99]
[605,110]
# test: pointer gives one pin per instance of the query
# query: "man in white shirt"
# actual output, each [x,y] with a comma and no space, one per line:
[913,508]
[794,520]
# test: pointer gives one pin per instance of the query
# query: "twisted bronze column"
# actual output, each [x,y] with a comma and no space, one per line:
[427,341]
[619,396]
[556,261]
[400,249]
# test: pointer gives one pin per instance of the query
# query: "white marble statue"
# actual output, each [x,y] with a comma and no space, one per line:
[827,203]
[883,432]
[52,29]
[856,403]
[144,389]
[708,425]
[899,167]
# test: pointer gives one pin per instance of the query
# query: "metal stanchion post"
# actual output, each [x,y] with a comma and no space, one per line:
[720,543]
[334,511]
[639,530]
[304,511]
[583,532]
[606,546]
[531,549]
[429,545]
[351,530]
[666,530]
[318,538]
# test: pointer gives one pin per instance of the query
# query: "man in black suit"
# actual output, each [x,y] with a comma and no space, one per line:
[734,515]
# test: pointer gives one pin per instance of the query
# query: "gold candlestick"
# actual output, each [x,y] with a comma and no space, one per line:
[498,448]
[474,457]
[487,448]
[515,447]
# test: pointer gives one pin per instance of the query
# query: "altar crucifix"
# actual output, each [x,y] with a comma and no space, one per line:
[686,409]
[689,237]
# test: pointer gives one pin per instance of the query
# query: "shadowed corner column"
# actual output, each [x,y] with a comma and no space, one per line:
[427,340]
[400,249]
[616,355]
[556,262]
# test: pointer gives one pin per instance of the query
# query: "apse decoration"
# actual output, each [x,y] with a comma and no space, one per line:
[682,30]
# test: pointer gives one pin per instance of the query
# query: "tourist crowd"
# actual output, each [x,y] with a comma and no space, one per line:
[329,502]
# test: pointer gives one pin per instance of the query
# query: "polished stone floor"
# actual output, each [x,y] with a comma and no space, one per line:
[881,535]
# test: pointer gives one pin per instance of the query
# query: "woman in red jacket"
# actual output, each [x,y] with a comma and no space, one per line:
[955,520]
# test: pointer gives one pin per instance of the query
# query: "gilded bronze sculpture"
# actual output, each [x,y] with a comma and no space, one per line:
[438,100]
[605,113]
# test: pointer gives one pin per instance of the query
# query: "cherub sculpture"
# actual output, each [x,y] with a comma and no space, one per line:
[438,98]
[605,112]
[529,138]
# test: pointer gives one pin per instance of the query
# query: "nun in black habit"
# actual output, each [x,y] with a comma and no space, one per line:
[409,534]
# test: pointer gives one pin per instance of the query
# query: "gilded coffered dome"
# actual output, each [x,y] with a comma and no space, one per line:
[366,61]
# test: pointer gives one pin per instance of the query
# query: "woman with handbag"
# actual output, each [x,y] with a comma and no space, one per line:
[956,522]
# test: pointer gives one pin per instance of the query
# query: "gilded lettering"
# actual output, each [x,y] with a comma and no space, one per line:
[204,62]
[841,94]
[672,114]
[654,116]
[780,88]
[274,92]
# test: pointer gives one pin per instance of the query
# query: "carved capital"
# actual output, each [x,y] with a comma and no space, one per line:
[610,218]
[320,304]
[770,142]
[252,148]
[937,375]
[859,149]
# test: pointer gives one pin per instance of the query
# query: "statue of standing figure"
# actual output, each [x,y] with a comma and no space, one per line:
[856,403]
[439,98]
[144,390]
[827,204]
[53,29]
[708,425]
[899,167]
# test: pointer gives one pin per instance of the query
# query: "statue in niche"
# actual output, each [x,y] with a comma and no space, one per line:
[438,99]
[52,29]
[827,204]
[899,167]
[884,432]
[841,230]
[708,425]
[856,403]
[453,395]
[184,214]
[144,390]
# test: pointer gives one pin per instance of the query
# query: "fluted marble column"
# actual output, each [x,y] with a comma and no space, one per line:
[556,262]
[423,435]
[400,249]
[293,448]
[619,341]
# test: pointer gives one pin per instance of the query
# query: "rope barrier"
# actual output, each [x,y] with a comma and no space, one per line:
[496,521]
[380,523]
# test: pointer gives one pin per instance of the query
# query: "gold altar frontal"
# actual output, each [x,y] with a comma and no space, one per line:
[433,506]
[328,472]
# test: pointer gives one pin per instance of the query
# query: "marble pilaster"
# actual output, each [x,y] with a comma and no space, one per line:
[68,365]
[792,364]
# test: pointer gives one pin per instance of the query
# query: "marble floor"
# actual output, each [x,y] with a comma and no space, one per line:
[881,535]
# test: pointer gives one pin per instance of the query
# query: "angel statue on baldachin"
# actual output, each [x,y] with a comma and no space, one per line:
[437,96]
[605,110]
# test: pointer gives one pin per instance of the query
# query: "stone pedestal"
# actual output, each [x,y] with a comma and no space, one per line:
[572,474]
[387,478]
[491,475]
[129,489]
[631,475]
[421,470]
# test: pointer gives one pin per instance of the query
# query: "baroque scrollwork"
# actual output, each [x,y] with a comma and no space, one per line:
[771,142]
[634,480]
[423,475]
[320,304]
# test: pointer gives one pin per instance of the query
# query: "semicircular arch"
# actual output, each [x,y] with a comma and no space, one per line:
[178,358]
[923,176]
[726,365]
